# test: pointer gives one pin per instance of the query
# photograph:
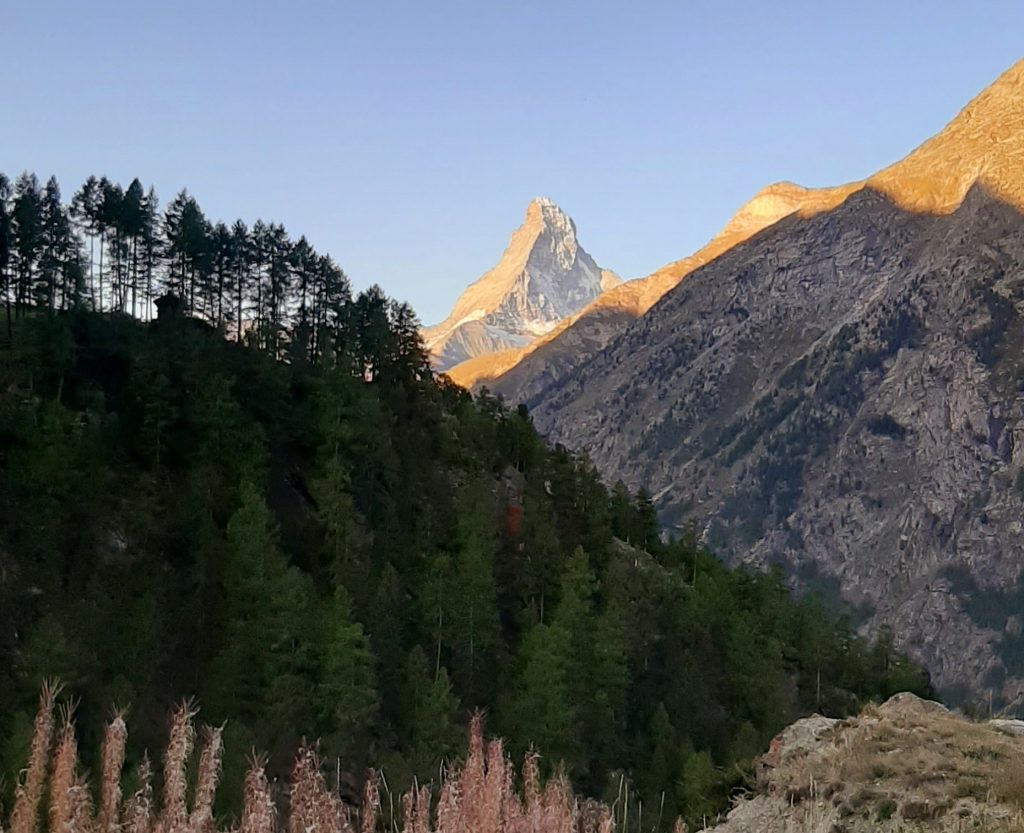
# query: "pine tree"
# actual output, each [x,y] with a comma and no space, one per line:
[332,336]
[265,606]
[112,223]
[649,530]
[661,770]
[27,226]
[51,245]
[303,265]
[344,538]
[348,683]
[133,217]
[279,283]
[6,247]
[371,332]
[187,233]
[606,710]
[462,601]
[595,662]
[240,265]
[542,712]
[259,255]
[197,242]
[173,233]
[408,358]
[60,267]
[85,209]
[698,786]
[151,247]
[623,515]
[430,717]
[223,246]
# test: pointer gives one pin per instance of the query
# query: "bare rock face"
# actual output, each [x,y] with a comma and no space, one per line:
[543,277]
[842,393]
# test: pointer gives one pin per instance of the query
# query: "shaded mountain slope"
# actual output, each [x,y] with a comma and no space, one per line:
[841,394]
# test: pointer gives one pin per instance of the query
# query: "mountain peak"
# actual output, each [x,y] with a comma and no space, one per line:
[544,213]
[543,277]
[540,203]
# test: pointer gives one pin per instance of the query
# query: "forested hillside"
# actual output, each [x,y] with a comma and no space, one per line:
[317,538]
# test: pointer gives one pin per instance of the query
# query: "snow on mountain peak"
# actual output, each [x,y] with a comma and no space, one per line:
[543,277]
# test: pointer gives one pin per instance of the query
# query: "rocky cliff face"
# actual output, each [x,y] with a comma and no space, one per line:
[543,277]
[843,393]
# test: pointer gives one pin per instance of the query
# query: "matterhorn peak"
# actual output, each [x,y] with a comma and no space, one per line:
[543,277]
[543,202]
[543,212]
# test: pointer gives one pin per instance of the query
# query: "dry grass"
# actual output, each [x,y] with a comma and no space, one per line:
[29,791]
[115,739]
[905,766]
[478,797]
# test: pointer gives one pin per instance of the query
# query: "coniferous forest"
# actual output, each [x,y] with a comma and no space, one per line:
[265,499]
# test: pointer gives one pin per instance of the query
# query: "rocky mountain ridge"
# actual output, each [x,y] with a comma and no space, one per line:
[842,393]
[981,145]
[519,373]
[543,277]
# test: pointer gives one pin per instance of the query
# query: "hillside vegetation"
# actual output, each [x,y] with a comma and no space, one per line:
[317,539]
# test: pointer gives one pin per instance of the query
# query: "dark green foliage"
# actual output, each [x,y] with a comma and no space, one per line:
[352,550]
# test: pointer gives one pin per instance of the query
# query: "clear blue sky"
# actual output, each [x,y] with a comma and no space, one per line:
[406,138]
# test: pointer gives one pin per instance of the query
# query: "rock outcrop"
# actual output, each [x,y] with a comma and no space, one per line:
[843,393]
[543,277]
[908,764]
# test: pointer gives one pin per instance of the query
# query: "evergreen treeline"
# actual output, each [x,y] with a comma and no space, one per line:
[337,545]
[111,249]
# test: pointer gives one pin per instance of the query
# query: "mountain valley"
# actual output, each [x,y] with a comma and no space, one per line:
[834,385]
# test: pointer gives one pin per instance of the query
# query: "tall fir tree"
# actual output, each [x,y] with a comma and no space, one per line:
[85,209]
[348,681]
[241,260]
[27,222]
[6,249]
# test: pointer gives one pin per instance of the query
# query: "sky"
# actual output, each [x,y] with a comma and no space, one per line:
[407,138]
